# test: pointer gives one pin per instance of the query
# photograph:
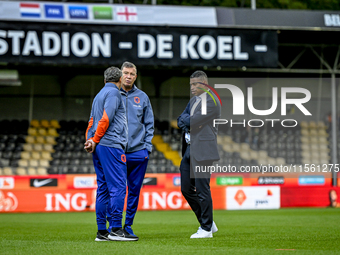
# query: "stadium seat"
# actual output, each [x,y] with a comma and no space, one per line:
[4,162]
[33,163]
[35,123]
[32,171]
[21,171]
[42,171]
[52,132]
[40,139]
[43,163]
[38,147]
[48,147]
[28,147]
[50,140]
[46,155]
[54,124]
[52,170]
[35,155]
[45,123]
[25,155]
[30,139]
[32,131]
[7,171]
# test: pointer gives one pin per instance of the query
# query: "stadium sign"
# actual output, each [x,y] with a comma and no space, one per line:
[68,201]
[253,197]
[271,180]
[142,45]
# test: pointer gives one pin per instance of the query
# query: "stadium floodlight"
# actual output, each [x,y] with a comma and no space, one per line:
[9,78]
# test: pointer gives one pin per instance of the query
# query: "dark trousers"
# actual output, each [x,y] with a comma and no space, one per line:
[195,188]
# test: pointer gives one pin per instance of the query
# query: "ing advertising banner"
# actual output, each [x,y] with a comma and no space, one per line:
[160,46]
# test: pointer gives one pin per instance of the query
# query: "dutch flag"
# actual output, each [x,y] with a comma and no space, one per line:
[30,10]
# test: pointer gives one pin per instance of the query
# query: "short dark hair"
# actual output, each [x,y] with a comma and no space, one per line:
[199,74]
[112,74]
[128,65]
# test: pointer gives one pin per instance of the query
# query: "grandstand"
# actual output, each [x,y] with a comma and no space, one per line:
[46,93]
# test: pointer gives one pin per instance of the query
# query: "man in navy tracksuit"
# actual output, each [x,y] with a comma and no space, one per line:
[106,138]
[141,127]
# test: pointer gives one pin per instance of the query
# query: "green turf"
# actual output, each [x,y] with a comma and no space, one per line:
[307,231]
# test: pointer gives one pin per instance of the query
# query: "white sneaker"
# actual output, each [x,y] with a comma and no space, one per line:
[214,228]
[201,233]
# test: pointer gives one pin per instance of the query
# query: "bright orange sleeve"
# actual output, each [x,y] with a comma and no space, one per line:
[88,128]
[103,124]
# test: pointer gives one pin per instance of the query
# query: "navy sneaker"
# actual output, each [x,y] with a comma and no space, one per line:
[130,231]
[101,237]
[121,235]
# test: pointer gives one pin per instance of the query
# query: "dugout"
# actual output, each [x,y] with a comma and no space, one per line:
[60,56]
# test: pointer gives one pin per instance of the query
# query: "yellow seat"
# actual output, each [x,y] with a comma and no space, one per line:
[157,139]
[227,139]
[28,147]
[33,163]
[245,155]
[35,123]
[25,155]
[176,162]
[52,132]
[42,131]
[35,155]
[48,147]
[32,131]
[42,171]
[45,123]
[173,124]
[44,163]
[30,139]
[280,161]
[304,124]
[55,124]
[7,171]
[162,147]
[32,171]
[171,155]
[46,155]
[50,140]
[40,139]
[254,155]
[23,163]
[228,147]
[21,171]
[236,147]
[245,147]
[312,125]
[37,147]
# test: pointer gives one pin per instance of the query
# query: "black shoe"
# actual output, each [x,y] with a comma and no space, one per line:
[101,237]
[121,235]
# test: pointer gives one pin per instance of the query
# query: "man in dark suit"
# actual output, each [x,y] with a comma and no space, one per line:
[199,151]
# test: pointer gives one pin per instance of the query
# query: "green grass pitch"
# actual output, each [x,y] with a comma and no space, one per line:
[284,231]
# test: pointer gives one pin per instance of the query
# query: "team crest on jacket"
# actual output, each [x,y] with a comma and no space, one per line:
[123,158]
[137,100]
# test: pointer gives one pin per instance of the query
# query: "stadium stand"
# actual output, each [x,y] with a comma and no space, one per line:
[52,147]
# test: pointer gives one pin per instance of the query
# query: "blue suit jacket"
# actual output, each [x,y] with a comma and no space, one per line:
[203,136]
